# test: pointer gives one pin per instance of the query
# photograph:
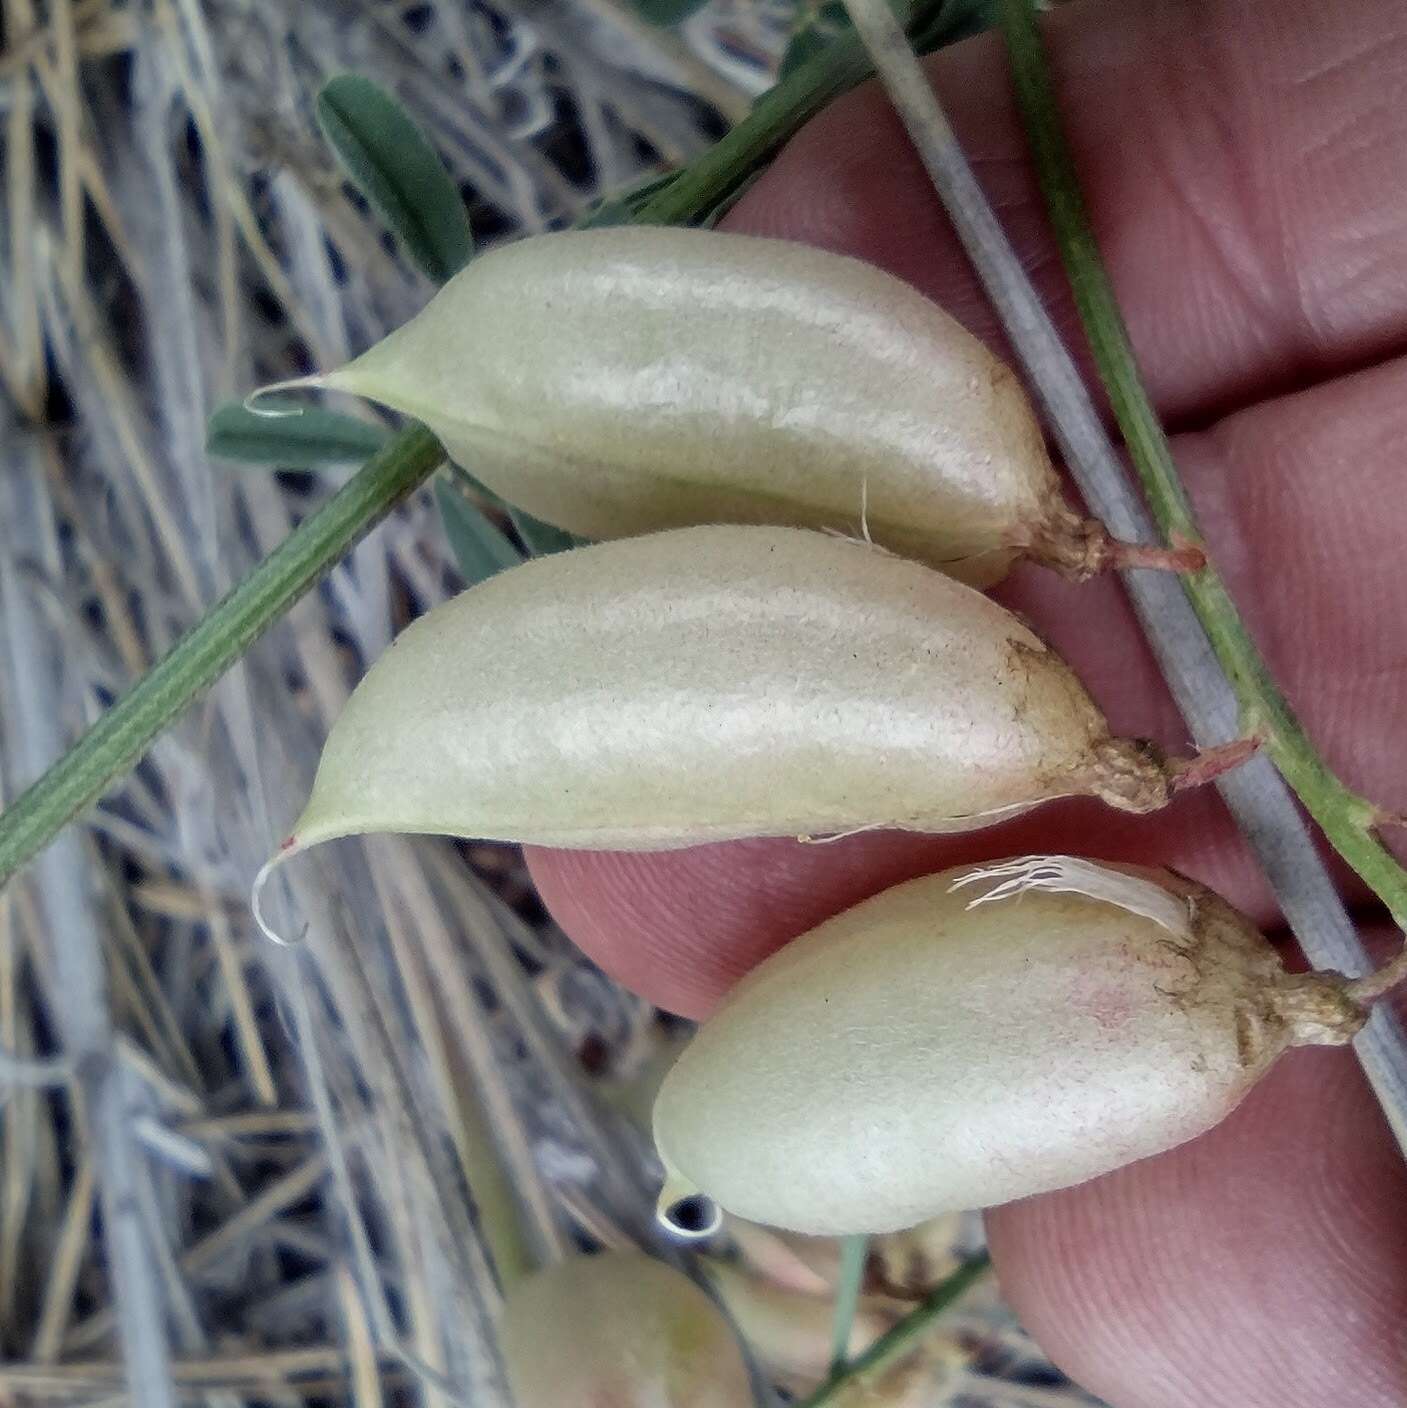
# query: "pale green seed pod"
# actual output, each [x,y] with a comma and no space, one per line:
[624,381]
[619,1330]
[978,1036]
[708,684]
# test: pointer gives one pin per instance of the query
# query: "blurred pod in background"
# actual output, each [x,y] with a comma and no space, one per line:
[619,1330]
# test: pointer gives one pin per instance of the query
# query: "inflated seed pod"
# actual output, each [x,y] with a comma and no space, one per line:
[619,1330]
[977,1036]
[713,683]
[623,381]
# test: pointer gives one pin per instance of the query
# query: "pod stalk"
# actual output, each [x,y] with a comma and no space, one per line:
[1210,763]
[1369,989]
[1080,548]
[1149,557]
[1135,775]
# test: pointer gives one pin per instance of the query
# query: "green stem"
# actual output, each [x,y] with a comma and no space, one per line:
[501,1217]
[779,112]
[1345,818]
[203,654]
[854,1252]
[892,1346]
[115,743]
[713,176]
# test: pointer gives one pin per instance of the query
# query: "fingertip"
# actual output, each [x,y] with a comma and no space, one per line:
[1264,1264]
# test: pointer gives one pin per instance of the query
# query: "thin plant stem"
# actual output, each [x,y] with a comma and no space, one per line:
[120,737]
[1347,819]
[854,1252]
[1372,986]
[894,1344]
[780,111]
[1265,812]
[1255,793]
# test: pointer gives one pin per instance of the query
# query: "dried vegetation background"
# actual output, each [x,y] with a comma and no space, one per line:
[259,1159]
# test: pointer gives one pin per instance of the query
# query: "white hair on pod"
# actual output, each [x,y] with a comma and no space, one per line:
[1069,875]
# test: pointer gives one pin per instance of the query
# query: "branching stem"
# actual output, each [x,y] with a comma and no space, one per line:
[895,1344]
[1205,654]
[1346,819]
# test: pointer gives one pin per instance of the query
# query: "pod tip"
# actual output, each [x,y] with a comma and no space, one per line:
[297,383]
[686,1212]
[287,848]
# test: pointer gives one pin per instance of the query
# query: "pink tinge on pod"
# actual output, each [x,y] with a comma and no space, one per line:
[978,1036]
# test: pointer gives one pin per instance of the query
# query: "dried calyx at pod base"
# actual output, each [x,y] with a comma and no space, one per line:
[709,684]
[625,381]
[978,1036]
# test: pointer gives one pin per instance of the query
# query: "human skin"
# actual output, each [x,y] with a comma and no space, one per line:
[1245,165]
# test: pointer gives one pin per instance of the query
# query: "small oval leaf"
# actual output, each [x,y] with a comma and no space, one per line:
[957,20]
[480,547]
[816,26]
[393,165]
[623,208]
[542,539]
[806,42]
[306,440]
[667,12]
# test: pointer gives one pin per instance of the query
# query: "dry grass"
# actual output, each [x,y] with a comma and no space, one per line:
[281,1140]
